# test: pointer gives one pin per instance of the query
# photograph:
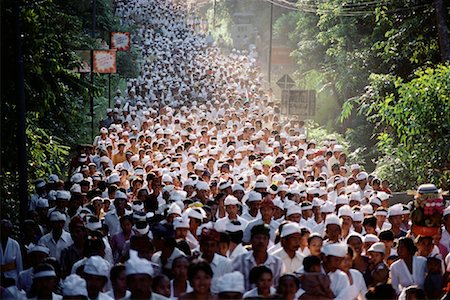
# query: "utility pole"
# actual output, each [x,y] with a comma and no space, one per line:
[21,115]
[91,92]
[269,69]
[444,42]
[214,14]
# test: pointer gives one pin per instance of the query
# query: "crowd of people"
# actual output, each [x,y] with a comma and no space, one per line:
[195,188]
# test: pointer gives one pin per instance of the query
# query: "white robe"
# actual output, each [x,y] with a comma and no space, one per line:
[11,255]
[401,277]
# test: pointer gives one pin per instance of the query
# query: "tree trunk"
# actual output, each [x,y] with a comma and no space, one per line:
[444,42]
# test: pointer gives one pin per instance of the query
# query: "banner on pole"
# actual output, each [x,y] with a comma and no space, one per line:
[120,41]
[85,58]
[105,61]
[301,103]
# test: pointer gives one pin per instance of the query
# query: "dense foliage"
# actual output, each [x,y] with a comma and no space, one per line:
[57,98]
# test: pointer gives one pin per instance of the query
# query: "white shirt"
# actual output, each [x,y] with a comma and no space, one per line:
[290,264]
[220,225]
[12,257]
[156,258]
[339,284]
[56,246]
[401,277]
[240,249]
[358,289]
[220,265]
[254,293]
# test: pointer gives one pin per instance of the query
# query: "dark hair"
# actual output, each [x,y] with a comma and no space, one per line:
[157,281]
[260,229]
[126,217]
[313,236]
[382,291]
[256,273]
[224,238]
[370,221]
[350,252]
[115,271]
[310,261]
[197,266]
[288,276]
[386,235]
[409,244]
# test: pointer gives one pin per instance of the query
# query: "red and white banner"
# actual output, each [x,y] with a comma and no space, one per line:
[120,41]
[105,61]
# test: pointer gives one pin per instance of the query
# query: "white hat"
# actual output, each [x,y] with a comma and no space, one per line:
[290,228]
[327,207]
[230,282]
[113,178]
[96,265]
[76,188]
[253,197]
[74,285]
[336,249]
[381,212]
[237,187]
[180,222]
[234,227]
[257,165]
[375,200]
[395,210]
[93,223]
[76,178]
[56,215]
[63,195]
[377,247]
[52,178]
[383,196]
[370,238]
[224,185]
[120,195]
[174,209]
[136,265]
[293,209]
[332,219]
[367,209]
[260,184]
[202,186]
[355,196]
[196,213]
[38,248]
[318,202]
[358,216]
[231,200]
[345,211]
[42,203]
[355,167]
[362,176]
[342,199]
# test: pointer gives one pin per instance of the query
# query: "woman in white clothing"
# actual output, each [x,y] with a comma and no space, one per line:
[357,288]
[409,269]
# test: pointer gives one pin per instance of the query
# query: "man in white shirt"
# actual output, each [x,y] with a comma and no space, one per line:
[333,256]
[231,208]
[10,255]
[290,242]
[57,239]
[209,246]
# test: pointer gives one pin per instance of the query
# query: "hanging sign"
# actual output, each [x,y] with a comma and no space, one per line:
[104,61]
[120,41]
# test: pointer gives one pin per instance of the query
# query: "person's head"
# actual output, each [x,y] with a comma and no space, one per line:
[288,285]
[376,253]
[200,275]
[355,241]
[311,264]
[414,292]
[434,265]
[406,248]
[333,255]
[209,243]
[126,223]
[96,273]
[315,243]
[161,285]
[370,224]
[424,245]
[77,229]
[262,277]
[139,272]
[347,262]
[290,237]
[260,236]
[118,278]
[179,268]
[44,280]
[230,286]
[382,291]
[37,254]
[387,237]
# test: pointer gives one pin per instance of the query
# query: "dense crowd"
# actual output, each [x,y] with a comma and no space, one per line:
[195,188]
